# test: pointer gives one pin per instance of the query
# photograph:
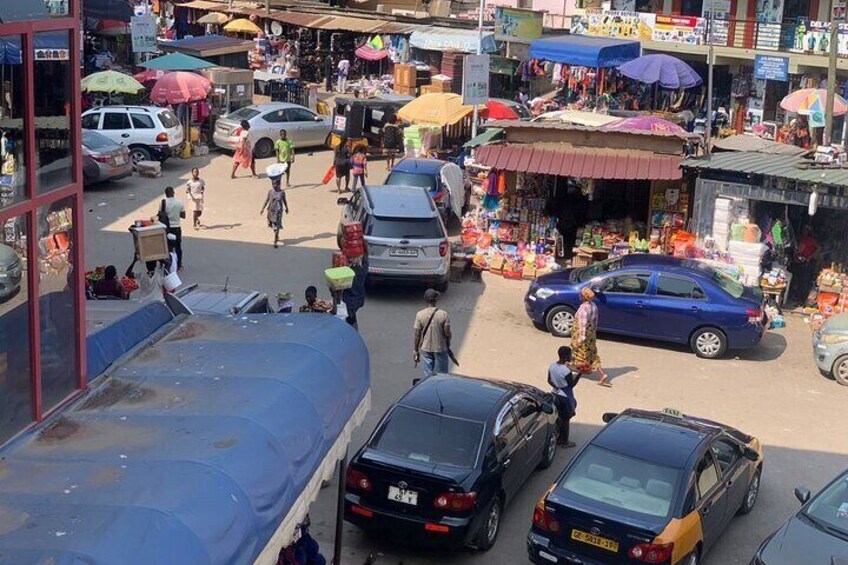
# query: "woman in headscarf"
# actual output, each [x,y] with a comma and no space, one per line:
[583,335]
[243,155]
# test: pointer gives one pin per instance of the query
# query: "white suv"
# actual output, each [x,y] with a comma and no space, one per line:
[150,132]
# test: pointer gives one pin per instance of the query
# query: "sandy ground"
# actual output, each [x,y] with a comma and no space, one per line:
[773,391]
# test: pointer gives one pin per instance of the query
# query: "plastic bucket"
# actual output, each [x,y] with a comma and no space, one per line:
[172,282]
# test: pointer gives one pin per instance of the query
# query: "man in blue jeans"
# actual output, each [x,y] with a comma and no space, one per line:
[432,336]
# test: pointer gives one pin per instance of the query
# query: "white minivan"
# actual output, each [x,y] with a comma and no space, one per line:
[150,132]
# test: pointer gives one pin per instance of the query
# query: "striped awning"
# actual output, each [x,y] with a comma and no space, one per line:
[563,159]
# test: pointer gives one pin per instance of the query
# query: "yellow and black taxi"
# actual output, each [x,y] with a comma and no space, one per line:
[650,487]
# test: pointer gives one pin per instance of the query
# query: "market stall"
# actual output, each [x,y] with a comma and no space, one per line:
[439,123]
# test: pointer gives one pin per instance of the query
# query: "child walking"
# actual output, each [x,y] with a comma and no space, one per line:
[359,166]
[285,154]
[196,190]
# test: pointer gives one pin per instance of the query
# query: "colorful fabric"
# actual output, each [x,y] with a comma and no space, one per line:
[584,349]
[357,163]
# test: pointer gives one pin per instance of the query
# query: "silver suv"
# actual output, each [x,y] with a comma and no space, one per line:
[406,238]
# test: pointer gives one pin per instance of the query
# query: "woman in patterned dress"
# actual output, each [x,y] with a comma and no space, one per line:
[585,358]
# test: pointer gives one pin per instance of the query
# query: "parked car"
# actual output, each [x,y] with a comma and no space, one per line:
[442,179]
[303,126]
[11,272]
[650,487]
[212,299]
[103,159]
[816,535]
[830,348]
[657,297]
[447,458]
[405,235]
[150,132]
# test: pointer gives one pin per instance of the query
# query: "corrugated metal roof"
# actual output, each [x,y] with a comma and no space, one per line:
[781,166]
[395,28]
[573,126]
[345,23]
[300,19]
[564,159]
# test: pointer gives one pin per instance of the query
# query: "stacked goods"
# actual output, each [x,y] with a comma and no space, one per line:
[441,84]
[353,240]
[452,67]
[727,212]
[748,257]
[406,77]
[419,139]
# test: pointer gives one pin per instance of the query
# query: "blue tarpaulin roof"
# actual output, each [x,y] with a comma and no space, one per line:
[585,50]
[195,450]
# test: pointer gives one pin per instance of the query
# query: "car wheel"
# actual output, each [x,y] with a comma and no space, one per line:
[708,343]
[263,148]
[840,370]
[559,321]
[751,495]
[550,451]
[139,154]
[492,525]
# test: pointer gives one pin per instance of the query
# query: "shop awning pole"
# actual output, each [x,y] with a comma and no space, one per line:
[337,548]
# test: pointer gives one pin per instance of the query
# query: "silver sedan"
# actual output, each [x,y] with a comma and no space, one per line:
[103,159]
[303,126]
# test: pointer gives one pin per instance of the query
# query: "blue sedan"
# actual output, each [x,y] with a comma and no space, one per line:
[656,297]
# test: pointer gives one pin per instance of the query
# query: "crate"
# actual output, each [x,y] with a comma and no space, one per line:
[339,278]
[150,242]
[581,261]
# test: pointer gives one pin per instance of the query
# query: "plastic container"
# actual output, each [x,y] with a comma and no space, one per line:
[172,282]
[339,278]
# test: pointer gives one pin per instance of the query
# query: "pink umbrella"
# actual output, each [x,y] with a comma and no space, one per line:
[645,123]
[150,75]
[180,87]
[370,54]
[807,99]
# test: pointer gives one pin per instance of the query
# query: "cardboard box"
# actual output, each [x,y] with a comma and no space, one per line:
[150,242]
[406,91]
[441,85]
[405,75]
[426,89]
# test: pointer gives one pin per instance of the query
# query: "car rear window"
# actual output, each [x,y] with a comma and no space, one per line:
[404,228]
[245,113]
[168,119]
[732,287]
[397,178]
[621,482]
[94,140]
[425,437]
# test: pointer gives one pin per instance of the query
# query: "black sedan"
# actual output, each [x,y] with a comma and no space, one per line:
[651,487]
[816,535]
[447,458]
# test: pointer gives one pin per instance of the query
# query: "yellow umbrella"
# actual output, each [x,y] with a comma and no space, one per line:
[440,109]
[243,25]
[110,82]
[214,18]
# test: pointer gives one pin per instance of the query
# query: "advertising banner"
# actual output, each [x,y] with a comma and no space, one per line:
[143,30]
[679,29]
[521,26]
[814,37]
[769,67]
[721,20]
[620,25]
[475,79]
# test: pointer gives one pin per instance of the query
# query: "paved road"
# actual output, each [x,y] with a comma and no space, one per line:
[773,391]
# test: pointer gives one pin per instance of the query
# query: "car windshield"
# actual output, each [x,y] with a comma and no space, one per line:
[94,140]
[397,178]
[245,113]
[429,438]
[522,111]
[168,119]
[620,482]
[830,507]
[405,228]
[592,271]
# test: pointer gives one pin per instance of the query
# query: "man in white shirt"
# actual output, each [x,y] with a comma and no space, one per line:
[175,209]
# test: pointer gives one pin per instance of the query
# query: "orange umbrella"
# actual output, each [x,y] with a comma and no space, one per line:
[180,87]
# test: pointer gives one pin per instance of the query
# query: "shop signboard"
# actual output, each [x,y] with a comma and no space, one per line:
[475,79]
[518,26]
[769,67]
[721,19]
[838,11]
[814,37]
[679,29]
[620,25]
[143,29]
[769,18]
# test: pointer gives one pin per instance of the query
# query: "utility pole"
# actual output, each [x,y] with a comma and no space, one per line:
[831,72]
[476,115]
[267,8]
[708,135]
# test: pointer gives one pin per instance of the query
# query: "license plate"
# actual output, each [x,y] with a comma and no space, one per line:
[403,496]
[401,252]
[119,160]
[597,541]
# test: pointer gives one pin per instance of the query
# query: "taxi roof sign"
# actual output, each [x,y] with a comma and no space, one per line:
[672,412]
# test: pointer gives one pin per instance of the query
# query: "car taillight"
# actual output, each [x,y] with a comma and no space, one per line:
[544,520]
[357,480]
[236,132]
[652,552]
[754,314]
[162,137]
[443,248]
[455,501]
[101,158]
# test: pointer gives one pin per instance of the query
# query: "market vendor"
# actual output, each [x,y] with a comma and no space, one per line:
[315,304]
[803,268]
[109,286]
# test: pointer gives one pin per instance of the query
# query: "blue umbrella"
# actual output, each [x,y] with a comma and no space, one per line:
[668,71]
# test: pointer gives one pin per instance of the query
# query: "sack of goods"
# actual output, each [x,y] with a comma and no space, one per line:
[339,278]
[353,240]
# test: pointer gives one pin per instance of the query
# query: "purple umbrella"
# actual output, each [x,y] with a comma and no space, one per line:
[669,71]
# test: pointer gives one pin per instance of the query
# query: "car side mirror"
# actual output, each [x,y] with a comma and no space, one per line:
[609,417]
[802,494]
[342,201]
[750,454]
[547,408]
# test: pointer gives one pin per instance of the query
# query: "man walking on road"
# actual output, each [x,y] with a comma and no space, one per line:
[175,209]
[563,381]
[432,336]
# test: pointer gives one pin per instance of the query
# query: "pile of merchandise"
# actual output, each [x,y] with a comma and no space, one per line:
[419,140]
[748,256]
[353,245]
[832,292]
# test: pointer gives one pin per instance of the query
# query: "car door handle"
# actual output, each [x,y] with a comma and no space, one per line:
[696,308]
[729,483]
[640,304]
[528,437]
[125,135]
[506,463]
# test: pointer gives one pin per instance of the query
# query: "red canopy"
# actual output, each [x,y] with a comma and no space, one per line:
[180,87]
[500,111]
[370,54]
